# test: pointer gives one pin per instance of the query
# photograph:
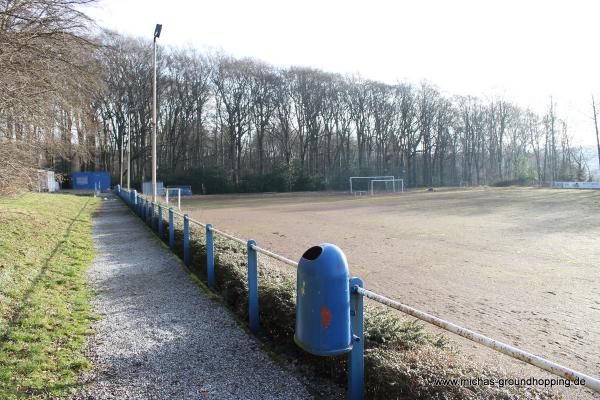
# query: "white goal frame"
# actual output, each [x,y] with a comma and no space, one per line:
[366,177]
[394,180]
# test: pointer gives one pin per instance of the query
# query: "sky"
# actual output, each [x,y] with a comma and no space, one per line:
[523,51]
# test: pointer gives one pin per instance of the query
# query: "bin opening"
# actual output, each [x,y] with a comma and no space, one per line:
[313,253]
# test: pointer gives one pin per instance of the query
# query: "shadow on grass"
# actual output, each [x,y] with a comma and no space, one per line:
[17,315]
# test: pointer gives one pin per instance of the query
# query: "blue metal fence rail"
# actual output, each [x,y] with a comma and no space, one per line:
[146,211]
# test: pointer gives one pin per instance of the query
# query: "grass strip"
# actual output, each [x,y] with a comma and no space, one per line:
[45,313]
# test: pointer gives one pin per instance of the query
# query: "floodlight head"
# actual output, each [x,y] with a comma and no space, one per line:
[157,30]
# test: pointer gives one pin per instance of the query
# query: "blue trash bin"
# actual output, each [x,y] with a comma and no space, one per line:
[323,302]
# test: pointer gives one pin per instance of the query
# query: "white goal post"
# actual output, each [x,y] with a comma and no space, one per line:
[178,196]
[352,191]
[396,184]
[369,187]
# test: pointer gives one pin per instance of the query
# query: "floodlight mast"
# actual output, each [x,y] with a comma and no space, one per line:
[121,160]
[128,151]
[157,31]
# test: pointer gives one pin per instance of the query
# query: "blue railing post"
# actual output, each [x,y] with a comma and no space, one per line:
[171,230]
[186,240]
[133,197]
[153,216]
[356,363]
[148,212]
[160,222]
[252,287]
[210,256]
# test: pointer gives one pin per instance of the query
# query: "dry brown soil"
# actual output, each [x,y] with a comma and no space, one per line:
[519,265]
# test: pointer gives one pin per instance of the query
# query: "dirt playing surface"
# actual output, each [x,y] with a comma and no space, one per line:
[519,265]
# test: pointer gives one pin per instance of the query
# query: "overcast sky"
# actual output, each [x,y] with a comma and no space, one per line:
[524,51]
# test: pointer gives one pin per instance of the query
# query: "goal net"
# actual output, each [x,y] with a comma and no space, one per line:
[363,185]
[381,186]
[360,185]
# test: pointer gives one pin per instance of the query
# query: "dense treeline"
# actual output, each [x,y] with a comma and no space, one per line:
[229,124]
[243,124]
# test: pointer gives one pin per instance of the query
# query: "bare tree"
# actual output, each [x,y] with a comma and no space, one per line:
[48,80]
[263,87]
[232,81]
[596,127]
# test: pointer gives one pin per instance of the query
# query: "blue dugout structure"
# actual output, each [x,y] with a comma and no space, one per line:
[91,180]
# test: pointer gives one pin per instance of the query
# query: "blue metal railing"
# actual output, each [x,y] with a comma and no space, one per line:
[357,291]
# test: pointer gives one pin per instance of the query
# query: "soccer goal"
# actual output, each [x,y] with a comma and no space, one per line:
[363,185]
[378,186]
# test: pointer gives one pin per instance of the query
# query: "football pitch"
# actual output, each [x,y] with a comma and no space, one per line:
[517,264]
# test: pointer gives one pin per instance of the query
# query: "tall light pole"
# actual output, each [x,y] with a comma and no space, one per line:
[154,121]
[121,163]
[128,151]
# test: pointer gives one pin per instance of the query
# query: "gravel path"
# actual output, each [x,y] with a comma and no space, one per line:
[160,336]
